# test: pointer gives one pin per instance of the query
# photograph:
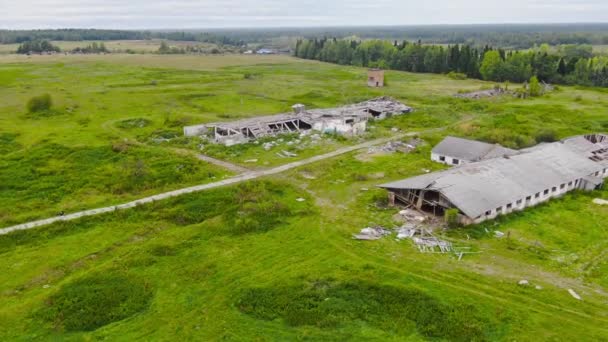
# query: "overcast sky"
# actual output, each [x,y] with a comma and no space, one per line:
[138,14]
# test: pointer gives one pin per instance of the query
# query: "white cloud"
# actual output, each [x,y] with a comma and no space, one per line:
[276,13]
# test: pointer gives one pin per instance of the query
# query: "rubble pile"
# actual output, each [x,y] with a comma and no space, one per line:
[372,233]
[396,146]
[482,94]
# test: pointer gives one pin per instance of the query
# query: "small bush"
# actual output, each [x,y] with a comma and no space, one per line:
[451,218]
[133,123]
[40,103]
[457,75]
[90,303]
[546,136]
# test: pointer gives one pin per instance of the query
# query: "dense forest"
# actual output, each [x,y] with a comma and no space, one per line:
[512,37]
[573,65]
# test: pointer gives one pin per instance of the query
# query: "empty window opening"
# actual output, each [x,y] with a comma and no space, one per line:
[374,113]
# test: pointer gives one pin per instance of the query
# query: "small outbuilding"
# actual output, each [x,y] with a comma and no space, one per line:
[375,78]
[458,151]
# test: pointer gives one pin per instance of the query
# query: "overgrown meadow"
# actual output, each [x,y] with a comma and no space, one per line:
[272,259]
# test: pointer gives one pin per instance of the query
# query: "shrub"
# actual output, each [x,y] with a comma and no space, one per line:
[133,123]
[546,135]
[457,75]
[90,303]
[451,217]
[534,88]
[40,103]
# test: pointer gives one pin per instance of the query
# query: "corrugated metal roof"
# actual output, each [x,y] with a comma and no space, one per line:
[470,150]
[486,185]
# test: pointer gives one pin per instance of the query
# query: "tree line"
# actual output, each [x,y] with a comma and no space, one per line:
[21,36]
[483,63]
[37,46]
[44,46]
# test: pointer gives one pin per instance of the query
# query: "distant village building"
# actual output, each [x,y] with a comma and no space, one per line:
[266,52]
[458,151]
[482,190]
[375,78]
[348,121]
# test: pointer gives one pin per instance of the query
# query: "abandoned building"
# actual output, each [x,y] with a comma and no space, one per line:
[348,120]
[484,189]
[457,151]
[375,78]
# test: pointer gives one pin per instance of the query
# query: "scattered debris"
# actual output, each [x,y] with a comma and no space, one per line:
[538,287]
[407,231]
[499,234]
[300,199]
[523,282]
[482,93]
[286,154]
[412,215]
[364,189]
[372,233]
[600,201]
[428,245]
[574,294]
[269,145]
[46,286]
[307,175]
[395,146]
[251,161]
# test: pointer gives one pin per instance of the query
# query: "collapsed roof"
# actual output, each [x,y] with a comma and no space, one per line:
[302,119]
[476,188]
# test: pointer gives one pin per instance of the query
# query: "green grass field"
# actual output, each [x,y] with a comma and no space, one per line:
[251,262]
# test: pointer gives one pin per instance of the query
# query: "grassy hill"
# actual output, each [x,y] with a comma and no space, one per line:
[251,261]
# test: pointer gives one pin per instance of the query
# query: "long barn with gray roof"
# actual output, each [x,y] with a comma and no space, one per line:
[488,188]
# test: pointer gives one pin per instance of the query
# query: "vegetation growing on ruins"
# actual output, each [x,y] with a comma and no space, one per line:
[274,257]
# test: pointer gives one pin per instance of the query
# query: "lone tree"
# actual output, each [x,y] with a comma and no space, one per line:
[40,103]
[534,87]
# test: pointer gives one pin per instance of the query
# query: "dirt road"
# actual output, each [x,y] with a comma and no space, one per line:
[234,180]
